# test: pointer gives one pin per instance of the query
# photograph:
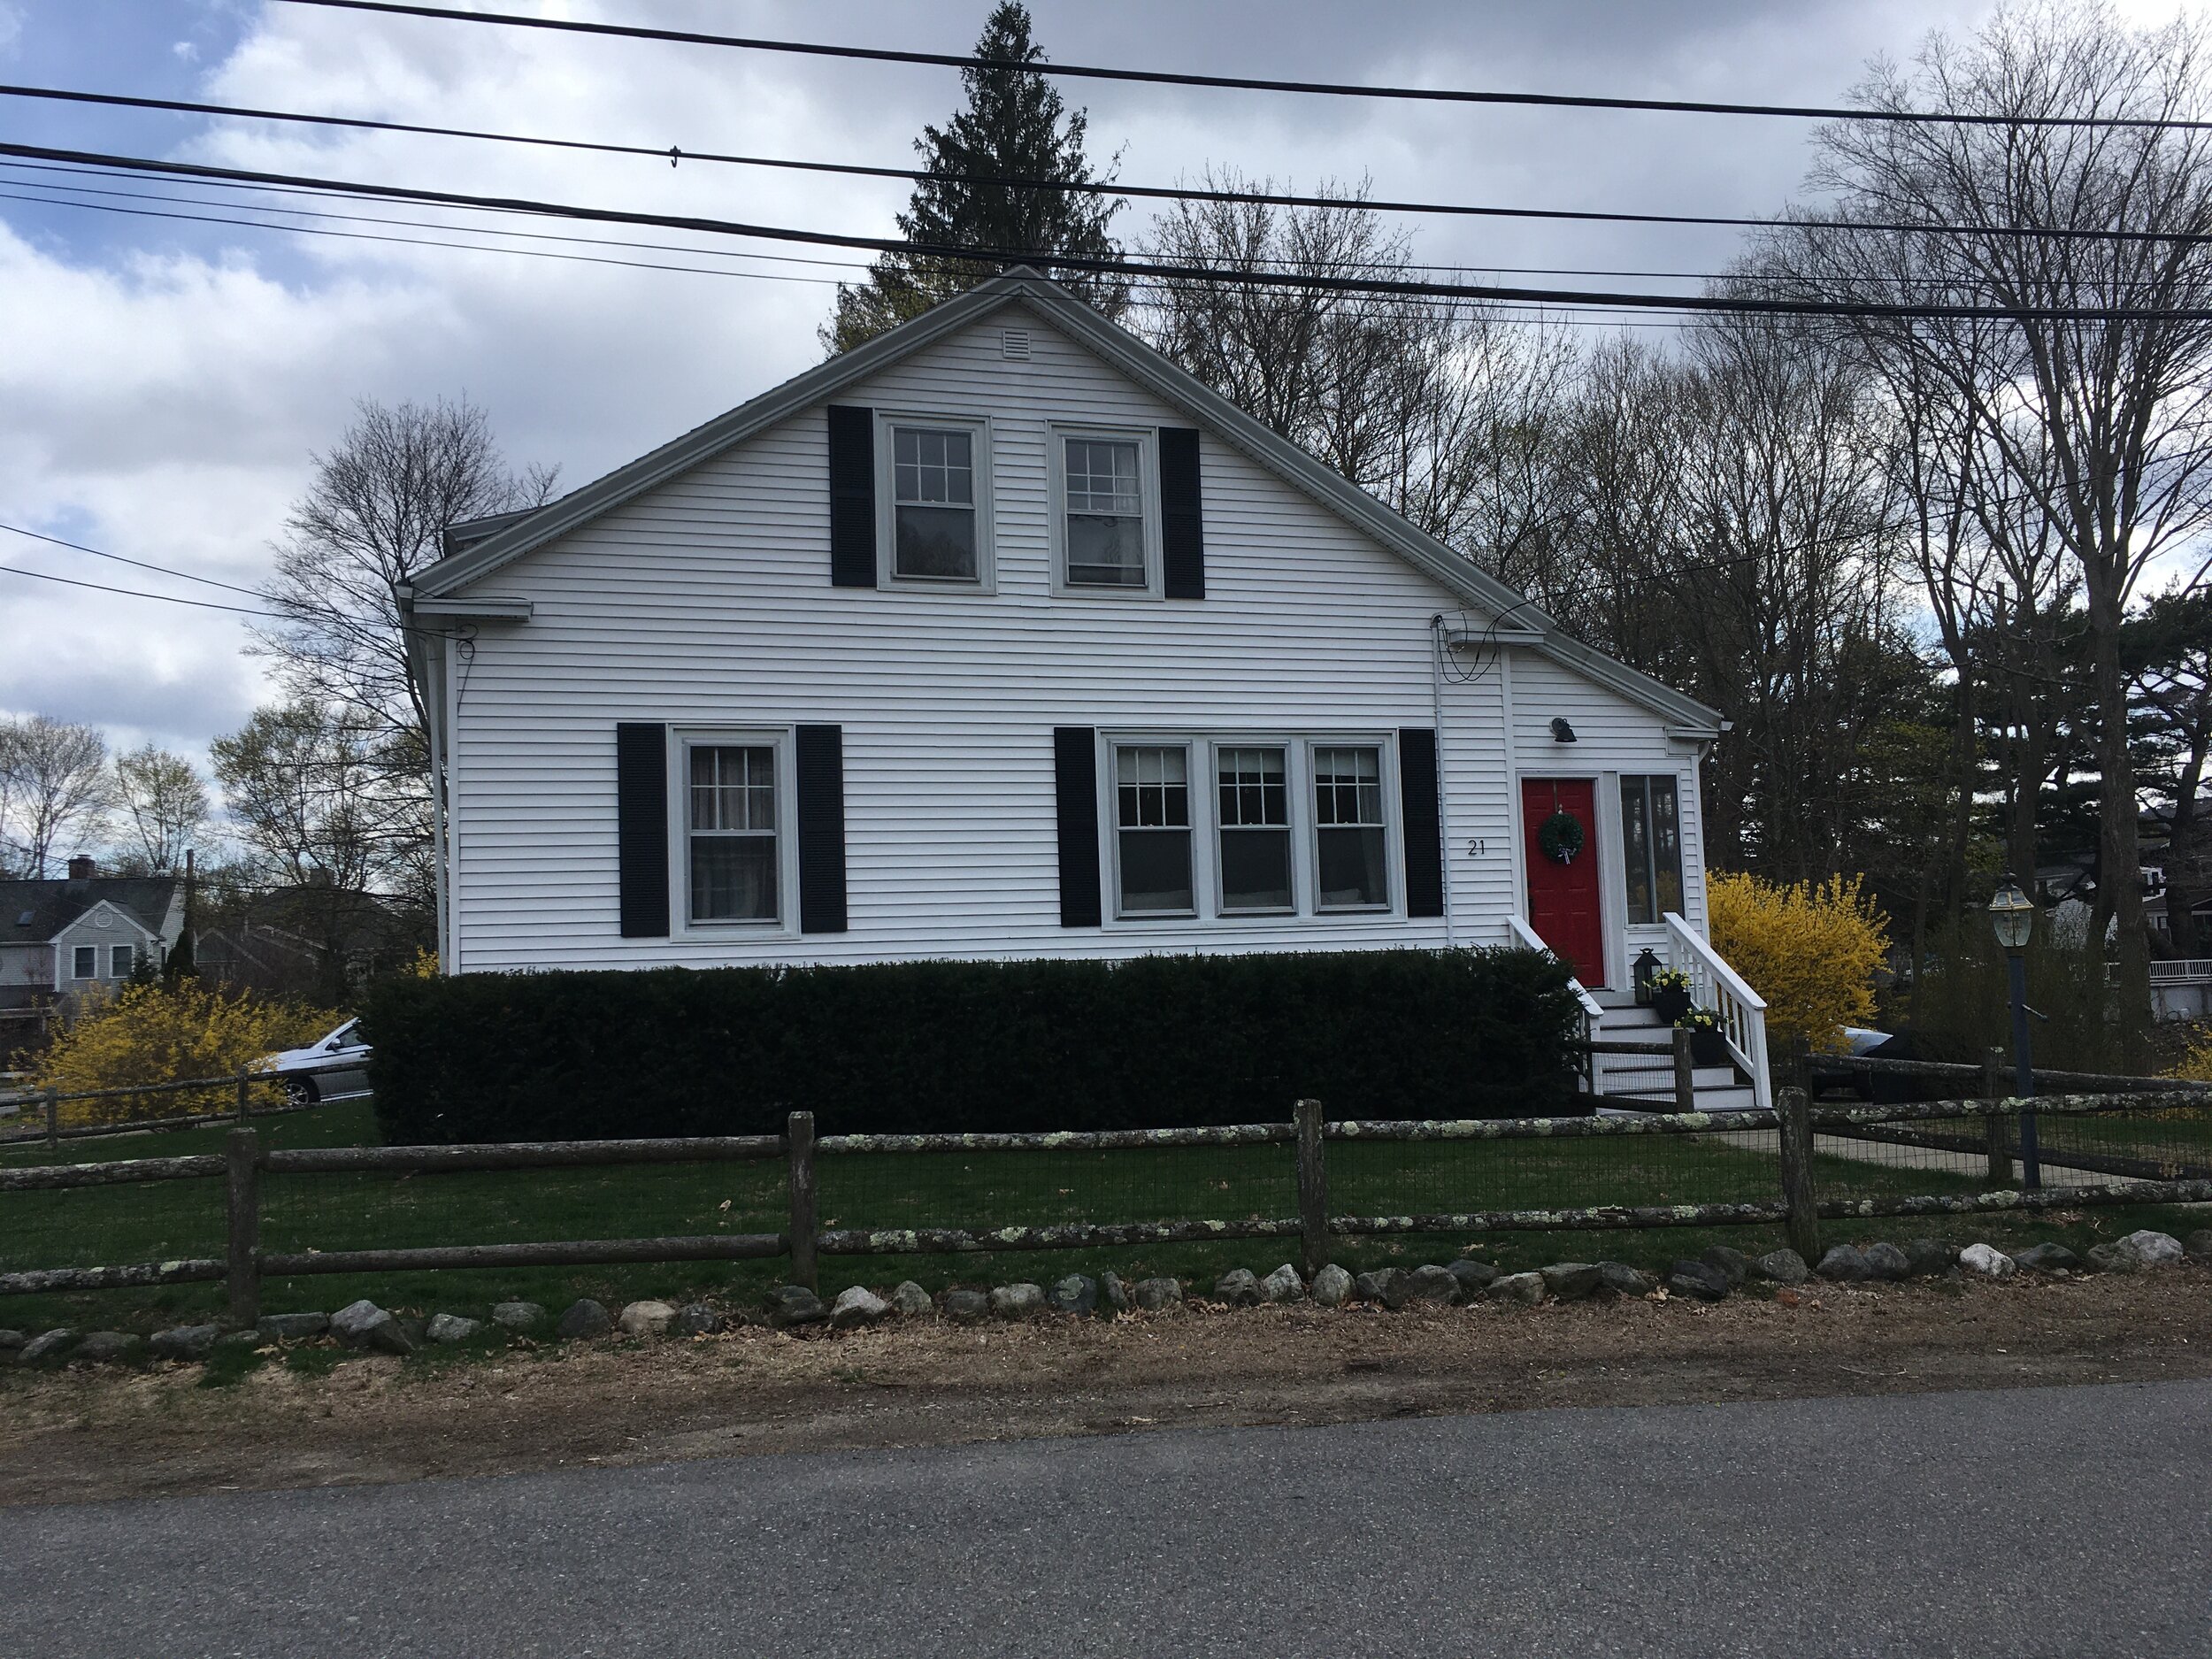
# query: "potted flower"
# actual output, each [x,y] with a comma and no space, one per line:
[1671,994]
[1708,1046]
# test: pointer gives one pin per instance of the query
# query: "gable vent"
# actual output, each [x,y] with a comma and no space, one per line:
[1013,344]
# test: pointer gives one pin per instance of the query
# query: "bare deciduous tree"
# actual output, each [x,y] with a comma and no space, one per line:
[54,791]
[163,804]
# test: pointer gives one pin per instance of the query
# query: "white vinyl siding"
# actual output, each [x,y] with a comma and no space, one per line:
[706,604]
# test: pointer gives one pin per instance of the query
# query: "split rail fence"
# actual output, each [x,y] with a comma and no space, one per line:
[1784,1158]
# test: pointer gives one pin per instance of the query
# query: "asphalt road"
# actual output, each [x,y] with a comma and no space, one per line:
[2068,1521]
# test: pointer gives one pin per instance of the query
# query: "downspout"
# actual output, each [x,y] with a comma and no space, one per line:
[432,671]
[1443,794]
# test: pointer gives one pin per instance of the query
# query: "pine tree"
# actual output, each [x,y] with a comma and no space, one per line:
[1016,126]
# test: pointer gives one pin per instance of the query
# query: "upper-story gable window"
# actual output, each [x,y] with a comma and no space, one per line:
[936,485]
[1106,512]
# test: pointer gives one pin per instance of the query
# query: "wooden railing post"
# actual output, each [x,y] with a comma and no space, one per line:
[1684,1073]
[1994,1127]
[1313,1191]
[242,1263]
[53,1115]
[1801,1061]
[799,1168]
[1793,1116]
[245,1082]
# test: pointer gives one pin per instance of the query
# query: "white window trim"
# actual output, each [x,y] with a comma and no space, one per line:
[1305,918]
[1299,882]
[1393,850]
[979,427]
[681,741]
[1147,442]
[115,973]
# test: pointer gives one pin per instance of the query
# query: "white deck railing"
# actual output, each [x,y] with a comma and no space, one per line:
[1742,1010]
[1592,1010]
[2191,971]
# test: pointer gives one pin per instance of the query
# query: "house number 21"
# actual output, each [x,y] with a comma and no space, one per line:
[1476,848]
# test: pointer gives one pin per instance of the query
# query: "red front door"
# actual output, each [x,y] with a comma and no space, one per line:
[1563,898]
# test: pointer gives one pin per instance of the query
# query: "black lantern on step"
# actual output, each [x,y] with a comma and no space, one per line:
[1644,967]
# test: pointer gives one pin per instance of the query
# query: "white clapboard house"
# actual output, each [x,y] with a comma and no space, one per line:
[1001,636]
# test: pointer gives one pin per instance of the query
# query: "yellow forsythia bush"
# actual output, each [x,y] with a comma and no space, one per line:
[1810,949]
[2196,1059]
[150,1033]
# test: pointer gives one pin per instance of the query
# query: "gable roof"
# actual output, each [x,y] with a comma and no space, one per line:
[480,548]
[51,906]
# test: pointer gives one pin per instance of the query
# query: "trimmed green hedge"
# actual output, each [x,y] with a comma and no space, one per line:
[1153,1042]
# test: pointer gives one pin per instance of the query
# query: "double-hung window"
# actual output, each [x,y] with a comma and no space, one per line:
[1351,850]
[936,532]
[1651,846]
[730,832]
[1152,829]
[85,963]
[1254,825]
[121,960]
[1105,529]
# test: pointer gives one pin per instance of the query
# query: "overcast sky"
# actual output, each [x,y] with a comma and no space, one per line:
[163,384]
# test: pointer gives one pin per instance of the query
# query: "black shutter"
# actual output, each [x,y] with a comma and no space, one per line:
[1424,824]
[852,484]
[1182,516]
[821,769]
[641,814]
[1075,794]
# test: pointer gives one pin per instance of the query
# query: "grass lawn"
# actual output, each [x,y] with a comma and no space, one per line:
[120,1225]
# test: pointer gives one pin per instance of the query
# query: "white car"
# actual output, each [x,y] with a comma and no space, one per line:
[335,1068]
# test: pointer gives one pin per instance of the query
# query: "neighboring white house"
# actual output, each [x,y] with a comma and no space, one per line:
[60,937]
[1000,636]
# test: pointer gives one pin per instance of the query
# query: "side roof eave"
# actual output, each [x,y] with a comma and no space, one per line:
[1148,368]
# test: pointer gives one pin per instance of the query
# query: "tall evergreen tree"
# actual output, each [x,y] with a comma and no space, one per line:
[1016,126]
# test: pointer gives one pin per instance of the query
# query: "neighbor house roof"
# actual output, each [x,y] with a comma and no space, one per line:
[33,911]
[477,549]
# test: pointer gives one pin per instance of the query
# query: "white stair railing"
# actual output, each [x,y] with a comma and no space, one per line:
[1592,1010]
[1742,1010]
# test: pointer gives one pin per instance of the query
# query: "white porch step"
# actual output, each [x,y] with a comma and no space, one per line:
[1651,1077]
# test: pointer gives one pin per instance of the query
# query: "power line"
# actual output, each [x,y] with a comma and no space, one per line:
[1146,192]
[158,570]
[139,593]
[1595,299]
[1245,83]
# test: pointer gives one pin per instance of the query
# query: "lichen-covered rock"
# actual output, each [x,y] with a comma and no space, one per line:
[1979,1259]
[1842,1263]
[1520,1290]
[2047,1258]
[184,1341]
[46,1347]
[583,1318]
[363,1325]
[965,1307]
[2199,1244]
[1376,1286]
[1782,1267]
[1699,1280]
[645,1318]
[108,1348]
[1930,1258]
[1283,1285]
[1885,1261]
[1331,1286]
[451,1327]
[12,1345]
[1156,1294]
[1018,1302]
[518,1315]
[1240,1288]
[1428,1283]
[857,1308]
[1625,1280]
[1076,1294]
[2151,1248]
[1572,1281]
[791,1305]
[291,1327]
[695,1319]
[1733,1265]
[1474,1277]
[1113,1291]
[910,1301]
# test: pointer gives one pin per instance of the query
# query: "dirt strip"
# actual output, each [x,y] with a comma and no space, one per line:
[84,1434]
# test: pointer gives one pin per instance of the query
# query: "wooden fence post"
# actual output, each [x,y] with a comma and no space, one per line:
[243,1256]
[1684,1073]
[244,1083]
[53,1116]
[1313,1191]
[1994,1127]
[1794,1117]
[799,1169]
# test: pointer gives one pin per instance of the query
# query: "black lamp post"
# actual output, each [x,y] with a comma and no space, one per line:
[2012,913]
